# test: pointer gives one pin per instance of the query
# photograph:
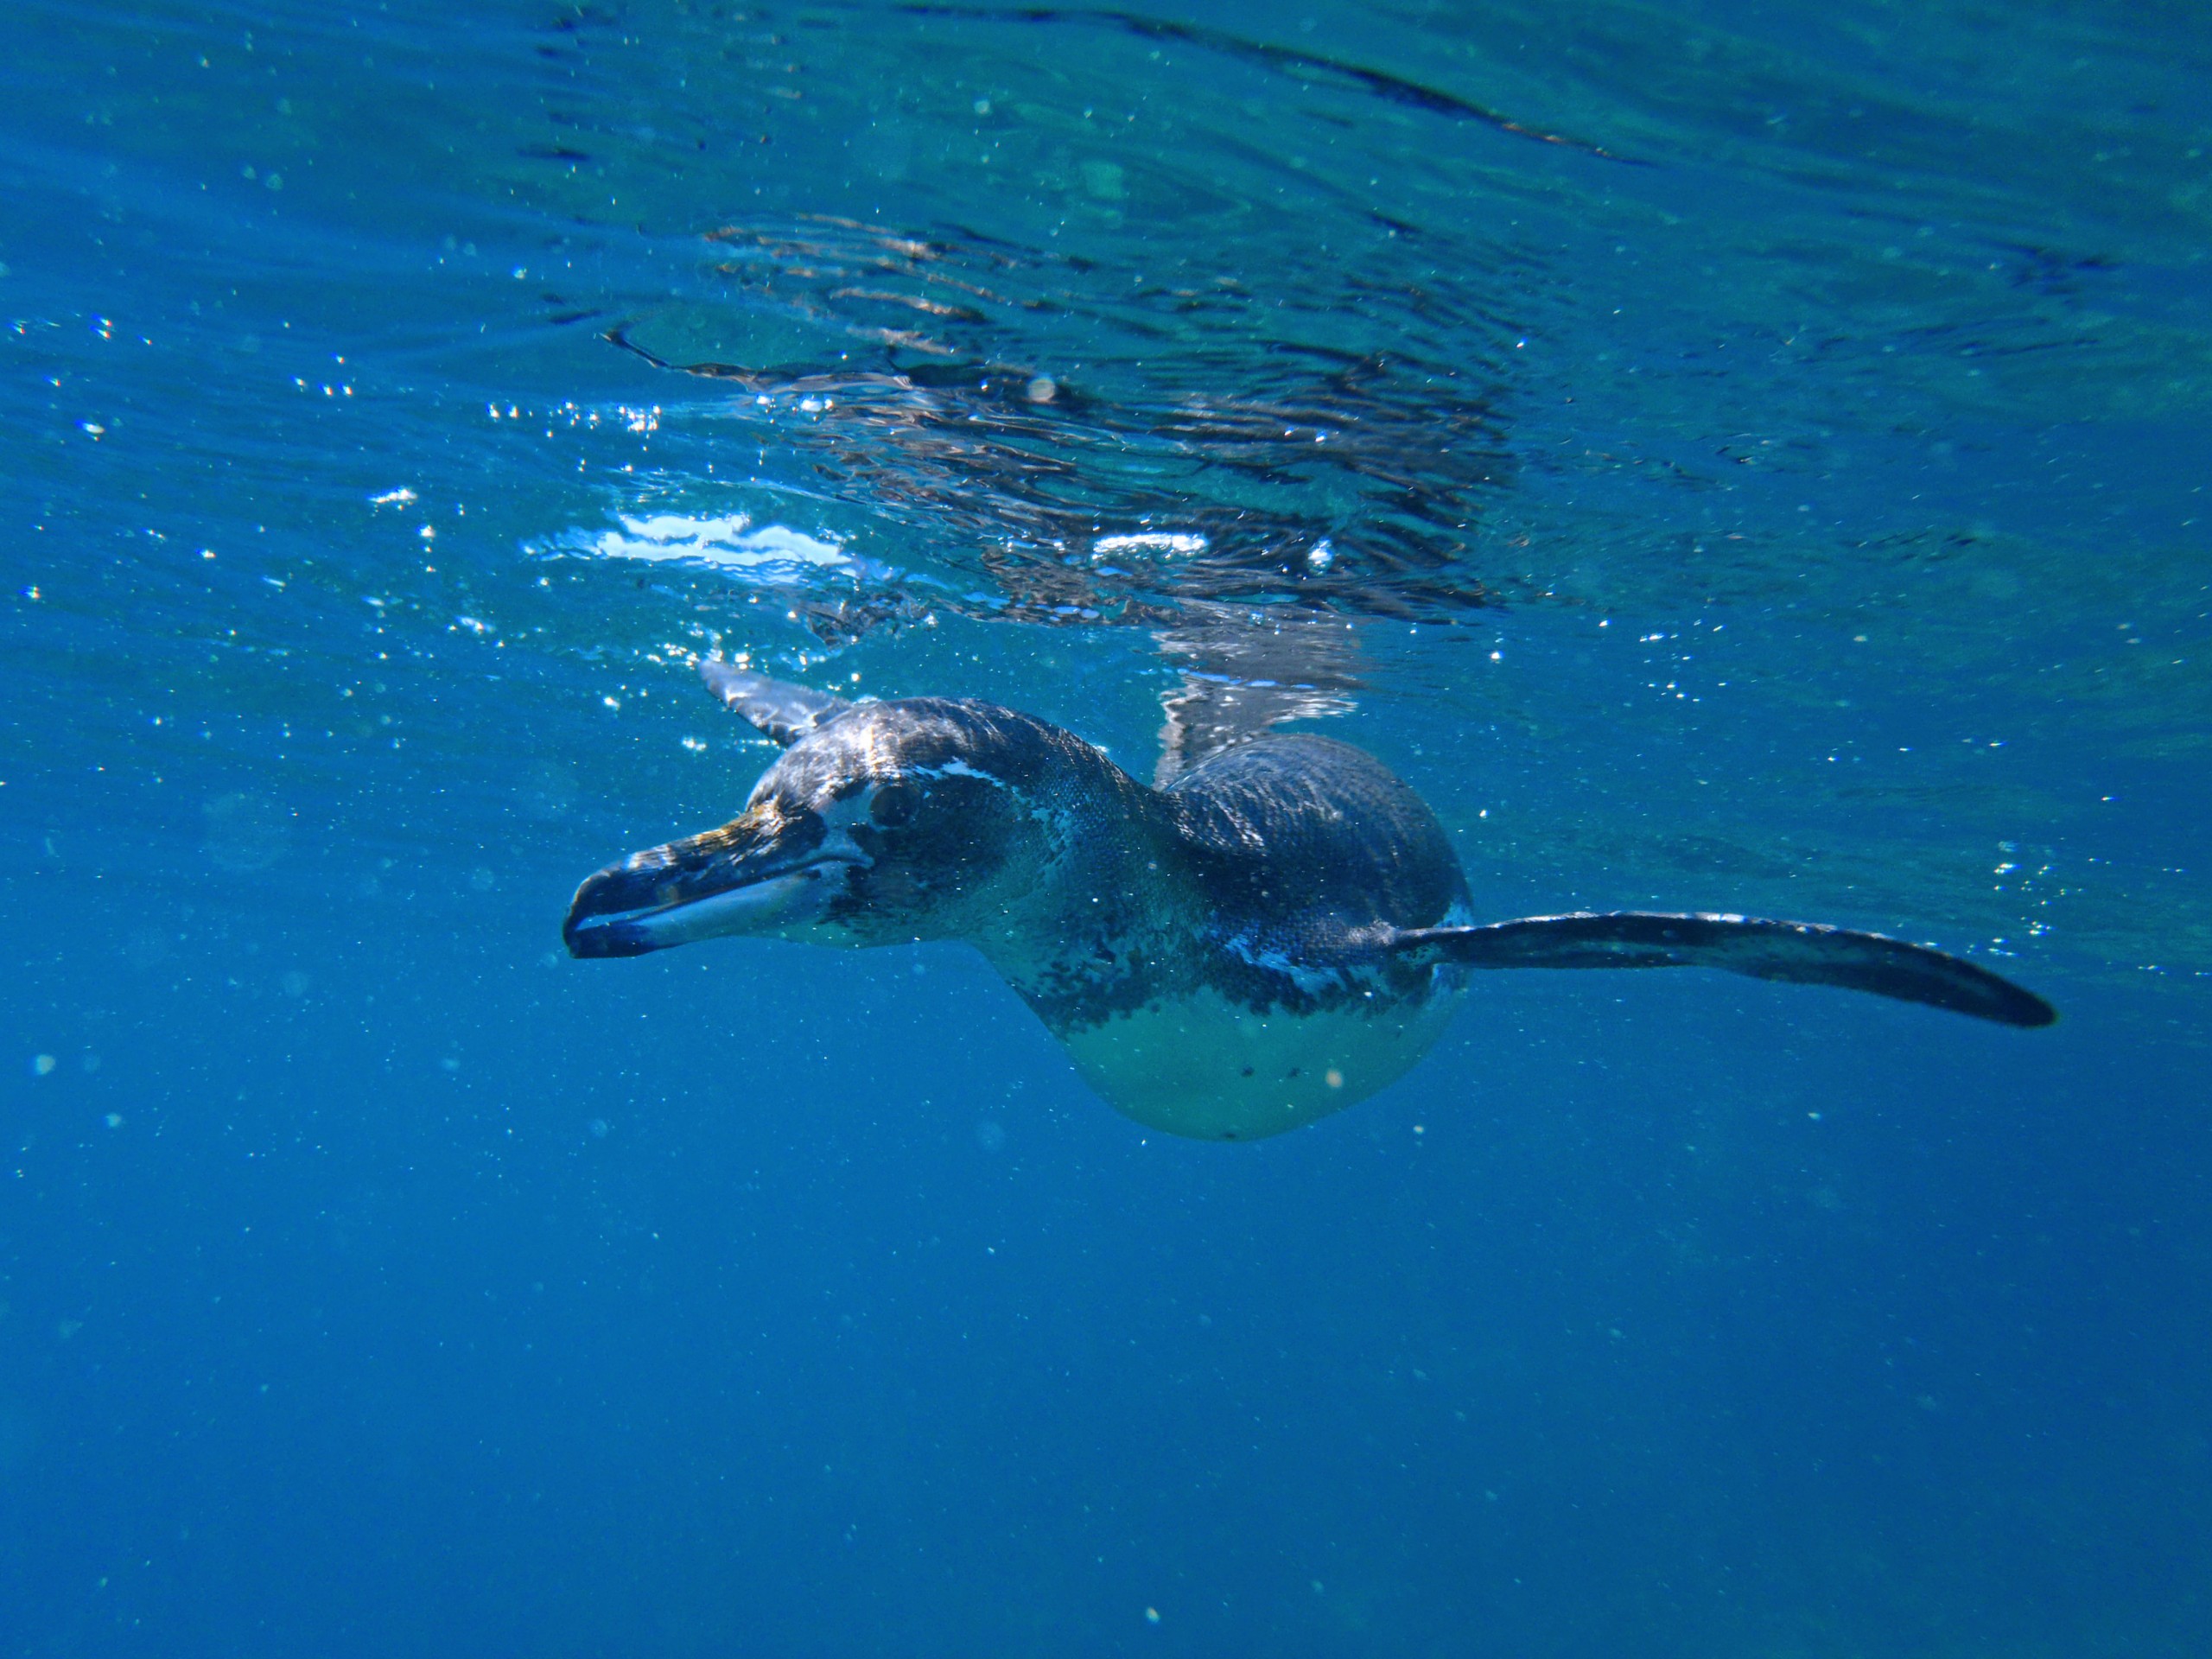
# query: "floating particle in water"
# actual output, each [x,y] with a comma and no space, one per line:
[1152,1615]
[1104,181]
[482,880]
[295,983]
[43,1065]
[990,1135]
[551,792]
[598,1126]
[113,1120]
[245,833]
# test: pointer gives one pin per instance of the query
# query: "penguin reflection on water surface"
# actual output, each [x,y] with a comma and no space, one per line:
[1276,934]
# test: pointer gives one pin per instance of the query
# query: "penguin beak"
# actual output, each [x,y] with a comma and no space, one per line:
[762,873]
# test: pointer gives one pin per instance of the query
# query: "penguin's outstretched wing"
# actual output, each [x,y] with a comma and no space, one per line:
[781,710]
[1805,951]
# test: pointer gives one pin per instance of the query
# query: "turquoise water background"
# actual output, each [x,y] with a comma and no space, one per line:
[1742,456]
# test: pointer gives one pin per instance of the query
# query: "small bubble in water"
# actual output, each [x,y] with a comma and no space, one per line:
[599,1127]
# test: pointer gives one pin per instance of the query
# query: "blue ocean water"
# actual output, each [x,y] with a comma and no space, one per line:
[1740,456]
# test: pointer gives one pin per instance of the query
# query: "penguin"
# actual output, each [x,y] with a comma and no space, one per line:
[1276,934]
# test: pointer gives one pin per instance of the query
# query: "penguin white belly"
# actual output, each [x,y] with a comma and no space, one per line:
[1206,1067]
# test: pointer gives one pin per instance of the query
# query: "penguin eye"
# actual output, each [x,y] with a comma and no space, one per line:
[894,804]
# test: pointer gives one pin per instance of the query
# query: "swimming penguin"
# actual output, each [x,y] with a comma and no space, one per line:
[1278,933]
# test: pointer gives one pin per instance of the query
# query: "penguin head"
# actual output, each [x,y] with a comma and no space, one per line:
[893,822]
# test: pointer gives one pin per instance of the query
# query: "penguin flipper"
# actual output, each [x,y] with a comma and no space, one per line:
[1808,952]
[781,710]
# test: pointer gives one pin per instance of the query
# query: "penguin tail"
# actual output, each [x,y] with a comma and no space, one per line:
[1806,952]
